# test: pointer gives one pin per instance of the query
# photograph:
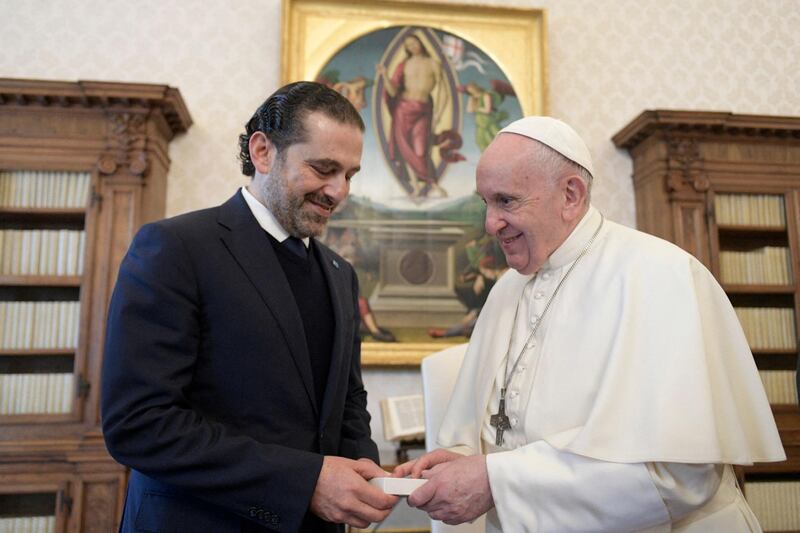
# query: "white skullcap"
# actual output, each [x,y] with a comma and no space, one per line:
[557,135]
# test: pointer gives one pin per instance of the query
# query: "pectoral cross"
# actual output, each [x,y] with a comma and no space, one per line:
[500,419]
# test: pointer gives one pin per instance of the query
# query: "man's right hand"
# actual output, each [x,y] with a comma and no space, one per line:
[344,496]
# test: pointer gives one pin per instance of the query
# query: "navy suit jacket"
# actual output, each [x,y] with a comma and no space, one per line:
[207,389]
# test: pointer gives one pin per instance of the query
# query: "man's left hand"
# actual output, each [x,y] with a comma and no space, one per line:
[457,491]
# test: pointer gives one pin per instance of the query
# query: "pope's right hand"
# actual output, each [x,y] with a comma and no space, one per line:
[415,467]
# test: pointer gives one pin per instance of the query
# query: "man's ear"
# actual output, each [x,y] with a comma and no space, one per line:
[262,152]
[575,195]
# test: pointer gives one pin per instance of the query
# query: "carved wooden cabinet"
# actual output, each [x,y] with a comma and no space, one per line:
[82,166]
[726,188]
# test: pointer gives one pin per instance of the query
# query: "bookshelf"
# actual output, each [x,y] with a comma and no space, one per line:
[726,188]
[82,166]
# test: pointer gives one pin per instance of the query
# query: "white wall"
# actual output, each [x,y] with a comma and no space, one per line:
[608,60]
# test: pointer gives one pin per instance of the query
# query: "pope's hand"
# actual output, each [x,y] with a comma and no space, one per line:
[457,490]
[415,467]
[344,496]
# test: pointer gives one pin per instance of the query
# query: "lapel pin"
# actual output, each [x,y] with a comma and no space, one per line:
[335,263]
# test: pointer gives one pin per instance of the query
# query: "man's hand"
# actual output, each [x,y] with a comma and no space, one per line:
[415,467]
[457,490]
[344,496]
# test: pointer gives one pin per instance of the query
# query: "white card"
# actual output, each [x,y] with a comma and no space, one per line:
[396,485]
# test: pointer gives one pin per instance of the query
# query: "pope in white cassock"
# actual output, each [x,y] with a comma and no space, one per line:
[608,385]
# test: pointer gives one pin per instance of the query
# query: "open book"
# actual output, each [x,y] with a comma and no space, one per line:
[403,417]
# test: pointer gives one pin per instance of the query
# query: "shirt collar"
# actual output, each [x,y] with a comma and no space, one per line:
[266,219]
[573,245]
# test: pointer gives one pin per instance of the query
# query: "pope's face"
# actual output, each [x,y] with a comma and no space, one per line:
[309,179]
[523,206]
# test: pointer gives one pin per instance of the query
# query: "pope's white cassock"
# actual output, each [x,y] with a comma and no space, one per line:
[630,403]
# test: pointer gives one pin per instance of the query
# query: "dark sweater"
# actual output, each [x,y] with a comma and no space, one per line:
[311,293]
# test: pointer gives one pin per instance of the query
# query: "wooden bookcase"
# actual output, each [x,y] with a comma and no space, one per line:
[726,188]
[82,166]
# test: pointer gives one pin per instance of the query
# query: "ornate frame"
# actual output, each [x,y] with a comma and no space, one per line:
[336,23]
[313,31]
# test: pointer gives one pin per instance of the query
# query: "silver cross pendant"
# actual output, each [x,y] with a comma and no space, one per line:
[500,420]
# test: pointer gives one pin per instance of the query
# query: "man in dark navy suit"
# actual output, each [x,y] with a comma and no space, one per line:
[232,383]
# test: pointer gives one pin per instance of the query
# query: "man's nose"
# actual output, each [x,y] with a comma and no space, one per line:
[337,187]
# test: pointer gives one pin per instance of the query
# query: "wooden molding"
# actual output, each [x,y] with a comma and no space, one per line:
[705,122]
[98,94]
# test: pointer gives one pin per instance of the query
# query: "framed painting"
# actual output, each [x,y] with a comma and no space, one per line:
[434,83]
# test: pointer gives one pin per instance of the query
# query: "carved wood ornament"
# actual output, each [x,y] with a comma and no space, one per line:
[684,166]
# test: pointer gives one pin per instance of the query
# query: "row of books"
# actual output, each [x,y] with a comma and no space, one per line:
[32,188]
[42,252]
[750,210]
[776,504]
[36,393]
[769,265]
[780,386]
[768,328]
[28,524]
[26,325]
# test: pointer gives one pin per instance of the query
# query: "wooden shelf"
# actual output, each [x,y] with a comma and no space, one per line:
[35,418]
[758,289]
[751,229]
[40,281]
[37,352]
[775,359]
[42,212]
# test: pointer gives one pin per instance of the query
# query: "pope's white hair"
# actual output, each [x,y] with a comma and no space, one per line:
[553,164]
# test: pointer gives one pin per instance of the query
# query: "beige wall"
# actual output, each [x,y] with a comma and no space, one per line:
[608,60]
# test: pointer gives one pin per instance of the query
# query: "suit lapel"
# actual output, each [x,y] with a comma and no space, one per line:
[250,248]
[331,267]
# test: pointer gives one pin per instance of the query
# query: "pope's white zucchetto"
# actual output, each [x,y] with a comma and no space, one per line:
[557,135]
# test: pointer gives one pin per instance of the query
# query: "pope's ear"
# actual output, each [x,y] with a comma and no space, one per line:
[575,197]
[262,152]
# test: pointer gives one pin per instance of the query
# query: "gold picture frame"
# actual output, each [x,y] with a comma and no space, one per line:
[314,31]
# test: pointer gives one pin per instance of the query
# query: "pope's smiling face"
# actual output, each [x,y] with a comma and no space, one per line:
[524,207]
[308,179]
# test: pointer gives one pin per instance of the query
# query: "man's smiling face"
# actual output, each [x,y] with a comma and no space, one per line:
[308,179]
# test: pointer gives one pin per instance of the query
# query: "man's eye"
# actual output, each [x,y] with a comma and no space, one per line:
[325,171]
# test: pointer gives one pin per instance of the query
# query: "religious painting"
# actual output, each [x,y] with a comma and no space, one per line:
[432,91]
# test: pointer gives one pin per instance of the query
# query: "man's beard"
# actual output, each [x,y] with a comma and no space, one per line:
[288,210]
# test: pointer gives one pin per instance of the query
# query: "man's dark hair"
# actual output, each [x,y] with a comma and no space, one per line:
[281,116]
